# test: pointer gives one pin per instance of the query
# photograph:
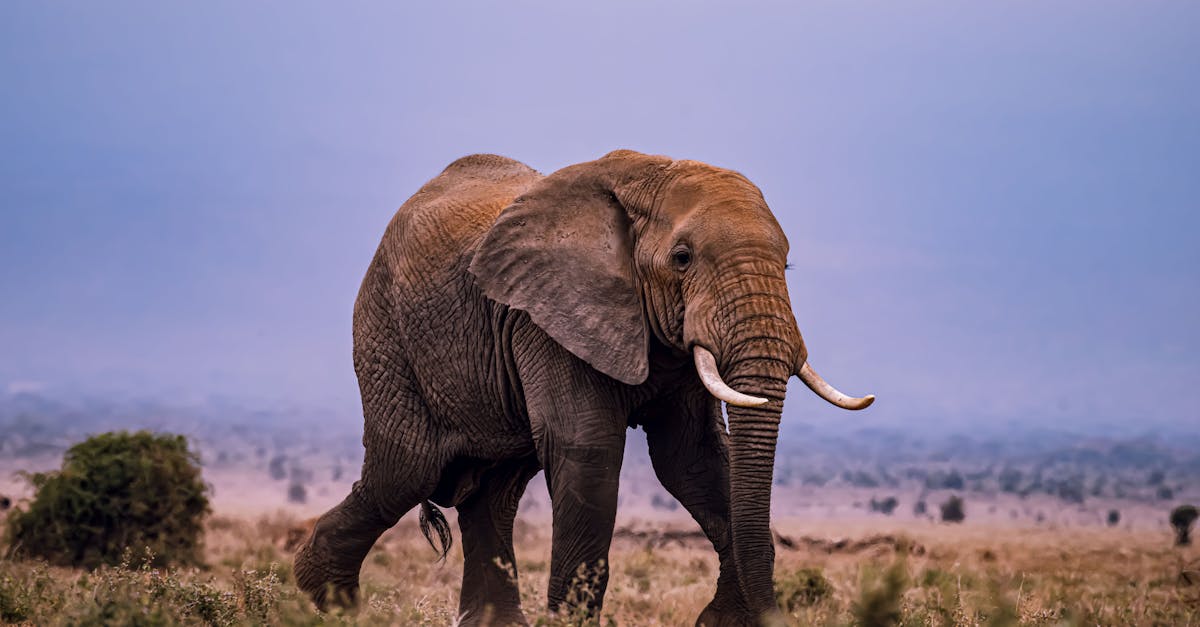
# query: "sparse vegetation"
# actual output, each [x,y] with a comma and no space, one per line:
[1114,518]
[115,491]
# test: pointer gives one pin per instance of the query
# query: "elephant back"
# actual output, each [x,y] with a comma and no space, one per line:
[444,221]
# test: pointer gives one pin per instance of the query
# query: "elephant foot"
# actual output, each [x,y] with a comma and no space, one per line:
[326,586]
[722,613]
[713,617]
[490,616]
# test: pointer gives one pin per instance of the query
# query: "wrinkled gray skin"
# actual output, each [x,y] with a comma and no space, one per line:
[511,322]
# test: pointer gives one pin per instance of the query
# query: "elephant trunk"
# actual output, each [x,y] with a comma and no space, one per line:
[757,346]
[753,432]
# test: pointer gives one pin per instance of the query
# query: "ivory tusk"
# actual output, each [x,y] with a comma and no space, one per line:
[706,366]
[830,393]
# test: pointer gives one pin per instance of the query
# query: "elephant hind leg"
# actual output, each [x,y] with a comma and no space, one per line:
[328,563]
[490,595]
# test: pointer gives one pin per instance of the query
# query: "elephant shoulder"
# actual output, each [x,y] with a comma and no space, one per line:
[445,219]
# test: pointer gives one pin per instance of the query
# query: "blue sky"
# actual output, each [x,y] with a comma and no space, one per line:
[994,208]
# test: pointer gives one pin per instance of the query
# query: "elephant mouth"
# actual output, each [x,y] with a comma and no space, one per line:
[710,376]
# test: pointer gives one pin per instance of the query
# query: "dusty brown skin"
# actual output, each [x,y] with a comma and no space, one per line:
[512,322]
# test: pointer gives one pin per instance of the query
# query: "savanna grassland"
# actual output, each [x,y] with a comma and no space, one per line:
[878,575]
[1058,529]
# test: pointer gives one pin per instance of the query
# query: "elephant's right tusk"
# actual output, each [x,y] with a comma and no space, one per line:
[706,366]
[830,393]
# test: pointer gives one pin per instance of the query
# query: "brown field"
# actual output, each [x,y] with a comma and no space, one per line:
[1031,558]
[939,574]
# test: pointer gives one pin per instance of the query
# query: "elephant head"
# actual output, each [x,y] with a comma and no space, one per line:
[606,255]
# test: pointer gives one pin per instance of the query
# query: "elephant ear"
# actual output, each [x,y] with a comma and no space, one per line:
[562,252]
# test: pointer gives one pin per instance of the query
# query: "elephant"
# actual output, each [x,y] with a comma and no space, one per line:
[512,322]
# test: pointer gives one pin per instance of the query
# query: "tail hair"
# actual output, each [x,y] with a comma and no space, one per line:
[432,521]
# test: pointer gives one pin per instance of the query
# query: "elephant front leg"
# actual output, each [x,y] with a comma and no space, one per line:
[578,418]
[687,444]
[490,595]
[582,481]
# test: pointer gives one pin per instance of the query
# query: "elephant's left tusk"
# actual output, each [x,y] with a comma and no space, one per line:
[706,366]
[830,393]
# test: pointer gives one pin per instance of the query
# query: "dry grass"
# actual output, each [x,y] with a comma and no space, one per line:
[935,574]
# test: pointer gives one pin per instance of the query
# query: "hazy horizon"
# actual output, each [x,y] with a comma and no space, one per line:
[993,209]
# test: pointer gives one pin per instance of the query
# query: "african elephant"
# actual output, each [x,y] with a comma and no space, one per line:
[511,322]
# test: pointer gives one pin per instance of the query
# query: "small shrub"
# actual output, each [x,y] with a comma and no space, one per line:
[953,510]
[5,502]
[1114,518]
[919,508]
[880,602]
[115,491]
[802,588]
[15,602]
[1182,519]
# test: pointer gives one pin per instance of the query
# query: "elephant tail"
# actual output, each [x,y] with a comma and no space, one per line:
[432,521]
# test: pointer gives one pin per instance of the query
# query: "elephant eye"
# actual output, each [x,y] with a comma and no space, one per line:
[681,259]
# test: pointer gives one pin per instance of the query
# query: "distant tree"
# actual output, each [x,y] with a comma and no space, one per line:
[1156,477]
[815,479]
[5,503]
[884,506]
[1114,518]
[1182,519]
[664,503]
[1164,493]
[919,508]
[951,480]
[1071,489]
[861,479]
[953,510]
[297,493]
[277,467]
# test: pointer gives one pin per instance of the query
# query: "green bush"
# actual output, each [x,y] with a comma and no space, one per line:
[115,491]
